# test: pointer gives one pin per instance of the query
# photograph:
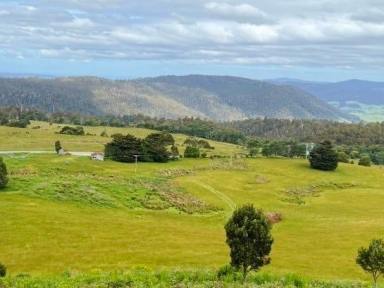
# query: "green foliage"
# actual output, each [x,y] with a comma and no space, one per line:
[227,272]
[371,259]
[297,150]
[58,146]
[175,152]
[192,152]
[155,147]
[21,123]
[197,128]
[124,148]
[323,157]
[3,174]
[290,149]
[199,143]
[342,157]
[3,270]
[68,130]
[365,160]
[249,239]
[378,158]
[129,148]
[310,131]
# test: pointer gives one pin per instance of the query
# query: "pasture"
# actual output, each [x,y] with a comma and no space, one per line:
[73,214]
[41,136]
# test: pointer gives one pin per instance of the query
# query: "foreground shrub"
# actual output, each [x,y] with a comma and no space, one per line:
[371,259]
[249,239]
[323,157]
[3,270]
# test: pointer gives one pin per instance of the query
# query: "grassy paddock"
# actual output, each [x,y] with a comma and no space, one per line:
[71,213]
[43,139]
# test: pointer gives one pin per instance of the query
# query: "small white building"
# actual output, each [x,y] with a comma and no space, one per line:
[98,156]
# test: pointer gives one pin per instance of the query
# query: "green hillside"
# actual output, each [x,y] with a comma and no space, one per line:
[209,97]
[69,213]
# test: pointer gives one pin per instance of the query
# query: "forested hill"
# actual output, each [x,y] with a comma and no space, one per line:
[365,99]
[366,92]
[211,97]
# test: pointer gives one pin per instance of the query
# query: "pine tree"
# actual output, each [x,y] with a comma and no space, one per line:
[323,157]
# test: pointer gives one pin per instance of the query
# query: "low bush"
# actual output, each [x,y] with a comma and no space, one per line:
[192,152]
[68,130]
[365,161]
[3,270]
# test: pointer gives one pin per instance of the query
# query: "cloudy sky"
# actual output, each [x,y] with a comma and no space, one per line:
[308,39]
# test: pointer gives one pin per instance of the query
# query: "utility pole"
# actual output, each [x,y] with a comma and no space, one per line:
[136,160]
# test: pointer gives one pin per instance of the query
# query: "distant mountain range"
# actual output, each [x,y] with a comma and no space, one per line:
[364,99]
[220,98]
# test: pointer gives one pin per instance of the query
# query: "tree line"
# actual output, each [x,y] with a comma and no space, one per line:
[352,138]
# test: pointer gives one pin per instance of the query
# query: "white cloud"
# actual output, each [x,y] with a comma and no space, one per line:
[302,32]
[4,12]
[79,23]
[242,10]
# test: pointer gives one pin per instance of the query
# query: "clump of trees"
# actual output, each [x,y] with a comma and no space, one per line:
[324,157]
[3,174]
[21,123]
[200,143]
[249,238]
[289,149]
[371,259]
[20,118]
[194,147]
[154,148]
[68,130]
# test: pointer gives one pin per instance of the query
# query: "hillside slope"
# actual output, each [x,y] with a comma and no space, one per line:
[364,99]
[214,97]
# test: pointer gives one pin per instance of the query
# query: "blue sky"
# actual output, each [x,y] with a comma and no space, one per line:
[307,39]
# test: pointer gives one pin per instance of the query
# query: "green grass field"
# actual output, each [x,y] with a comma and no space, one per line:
[73,214]
[43,139]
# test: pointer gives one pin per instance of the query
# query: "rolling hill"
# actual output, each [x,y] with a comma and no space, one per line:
[214,97]
[364,99]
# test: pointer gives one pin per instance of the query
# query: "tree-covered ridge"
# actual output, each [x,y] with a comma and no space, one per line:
[209,97]
[238,132]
